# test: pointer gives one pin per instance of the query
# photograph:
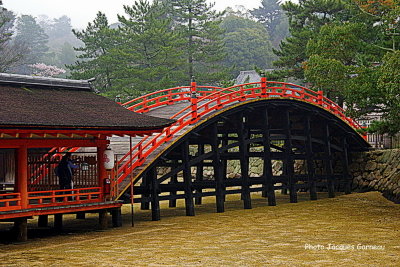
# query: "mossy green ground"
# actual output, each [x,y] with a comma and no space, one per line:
[284,235]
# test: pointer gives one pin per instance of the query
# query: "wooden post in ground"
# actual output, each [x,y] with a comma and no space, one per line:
[58,221]
[310,159]
[172,202]
[289,159]
[103,219]
[328,162]
[155,201]
[81,215]
[244,162]
[21,229]
[199,173]
[116,217]
[224,164]
[345,167]
[187,178]
[268,183]
[218,171]
[144,203]
[43,221]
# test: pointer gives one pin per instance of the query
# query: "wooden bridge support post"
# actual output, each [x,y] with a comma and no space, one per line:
[43,221]
[174,181]
[21,229]
[218,171]
[224,164]
[81,215]
[345,167]
[310,159]
[244,162]
[199,174]
[103,219]
[187,177]
[155,201]
[58,221]
[328,162]
[268,191]
[116,217]
[289,160]
[144,203]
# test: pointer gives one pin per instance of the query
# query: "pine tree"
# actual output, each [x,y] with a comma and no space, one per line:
[199,25]
[11,54]
[305,20]
[247,44]
[148,54]
[271,15]
[33,37]
[98,40]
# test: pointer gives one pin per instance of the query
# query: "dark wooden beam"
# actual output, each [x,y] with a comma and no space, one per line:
[144,204]
[345,167]
[173,181]
[103,219]
[187,178]
[244,166]
[155,201]
[21,229]
[289,159]
[310,159]
[328,162]
[199,173]
[218,171]
[43,221]
[269,191]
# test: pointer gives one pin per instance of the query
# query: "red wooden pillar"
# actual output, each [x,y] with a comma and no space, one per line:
[320,97]
[263,86]
[102,172]
[193,99]
[22,175]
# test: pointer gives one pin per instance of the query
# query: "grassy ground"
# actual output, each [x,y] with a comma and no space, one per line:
[349,230]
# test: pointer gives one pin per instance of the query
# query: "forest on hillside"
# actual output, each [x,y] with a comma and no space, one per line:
[347,48]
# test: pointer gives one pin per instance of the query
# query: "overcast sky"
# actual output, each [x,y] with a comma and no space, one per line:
[83,11]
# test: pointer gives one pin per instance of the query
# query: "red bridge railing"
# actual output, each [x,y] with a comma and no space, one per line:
[204,100]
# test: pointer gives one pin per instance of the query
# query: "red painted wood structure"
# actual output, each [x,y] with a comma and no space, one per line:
[40,119]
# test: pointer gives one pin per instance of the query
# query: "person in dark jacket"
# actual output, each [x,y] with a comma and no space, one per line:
[65,171]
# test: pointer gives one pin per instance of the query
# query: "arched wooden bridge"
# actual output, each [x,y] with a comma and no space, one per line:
[274,121]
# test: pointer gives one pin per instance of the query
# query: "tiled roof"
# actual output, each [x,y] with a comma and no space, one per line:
[31,102]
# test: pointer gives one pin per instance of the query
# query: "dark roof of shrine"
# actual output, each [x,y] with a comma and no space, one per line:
[28,102]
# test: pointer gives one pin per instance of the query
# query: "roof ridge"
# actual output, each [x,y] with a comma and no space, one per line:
[55,83]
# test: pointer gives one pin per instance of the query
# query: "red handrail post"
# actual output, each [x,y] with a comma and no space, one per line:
[145,108]
[193,99]
[320,97]
[263,86]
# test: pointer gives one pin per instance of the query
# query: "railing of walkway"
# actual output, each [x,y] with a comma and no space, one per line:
[10,201]
[39,199]
[51,198]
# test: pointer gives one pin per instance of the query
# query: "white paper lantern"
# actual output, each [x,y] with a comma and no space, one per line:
[108,159]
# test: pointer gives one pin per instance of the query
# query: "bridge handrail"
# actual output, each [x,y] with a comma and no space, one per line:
[172,95]
[137,155]
[265,91]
